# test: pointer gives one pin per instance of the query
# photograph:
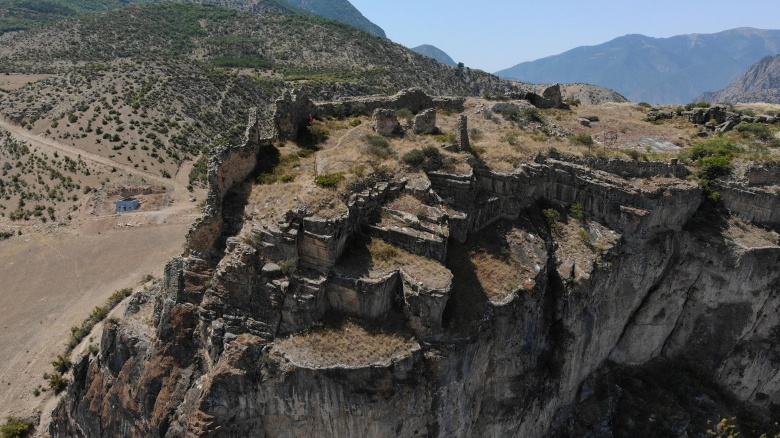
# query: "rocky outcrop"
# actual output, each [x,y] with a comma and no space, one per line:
[628,280]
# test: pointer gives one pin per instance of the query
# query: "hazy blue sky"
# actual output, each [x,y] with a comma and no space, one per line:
[492,34]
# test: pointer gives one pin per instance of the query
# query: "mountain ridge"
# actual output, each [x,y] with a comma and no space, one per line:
[658,70]
[760,83]
[435,53]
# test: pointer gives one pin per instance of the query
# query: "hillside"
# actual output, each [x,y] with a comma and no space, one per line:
[761,83]
[282,45]
[18,15]
[152,87]
[656,70]
[435,53]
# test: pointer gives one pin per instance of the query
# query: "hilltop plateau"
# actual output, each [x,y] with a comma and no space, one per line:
[429,238]
[377,244]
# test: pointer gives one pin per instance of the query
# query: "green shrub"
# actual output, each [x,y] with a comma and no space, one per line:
[692,105]
[318,133]
[711,168]
[509,111]
[405,114]
[532,114]
[754,130]
[377,145]
[552,217]
[305,153]
[414,158]
[15,428]
[355,122]
[447,137]
[583,139]
[428,158]
[633,154]
[715,147]
[62,363]
[475,134]
[329,179]
[57,382]
[576,211]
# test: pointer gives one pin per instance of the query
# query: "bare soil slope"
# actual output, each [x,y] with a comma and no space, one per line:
[49,283]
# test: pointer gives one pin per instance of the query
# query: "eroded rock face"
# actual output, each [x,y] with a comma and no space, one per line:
[632,280]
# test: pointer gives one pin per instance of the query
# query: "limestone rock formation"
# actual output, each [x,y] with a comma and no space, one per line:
[486,316]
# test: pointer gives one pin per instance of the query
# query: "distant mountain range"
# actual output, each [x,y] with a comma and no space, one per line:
[656,70]
[435,53]
[25,14]
[761,83]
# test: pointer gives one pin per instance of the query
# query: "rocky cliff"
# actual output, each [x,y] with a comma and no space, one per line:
[455,302]
[760,83]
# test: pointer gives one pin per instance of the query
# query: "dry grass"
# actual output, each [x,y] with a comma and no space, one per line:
[345,345]
[374,257]
[292,184]
[504,259]
[491,266]
[10,82]
[503,145]
[748,234]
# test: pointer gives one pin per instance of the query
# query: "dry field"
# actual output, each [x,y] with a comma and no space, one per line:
[55,272]
[10,82]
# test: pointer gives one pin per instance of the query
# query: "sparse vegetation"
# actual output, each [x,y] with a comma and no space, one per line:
[330,180]
[577,211]
[405,114]
[583,139]
[428,158]
[757,131]
[332,346]
[713,158]
[62,363]
[78,333]
[57,382]
[15,427]
[552,216]
[378,146]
